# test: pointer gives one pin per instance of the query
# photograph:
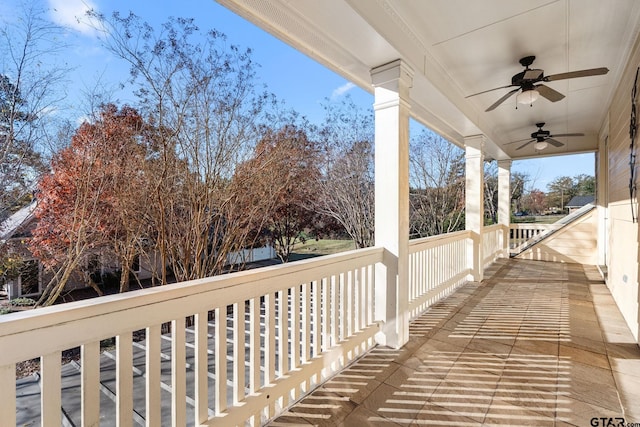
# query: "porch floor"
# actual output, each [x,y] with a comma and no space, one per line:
[536,343]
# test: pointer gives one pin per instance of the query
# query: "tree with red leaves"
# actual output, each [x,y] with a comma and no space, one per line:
[92,199]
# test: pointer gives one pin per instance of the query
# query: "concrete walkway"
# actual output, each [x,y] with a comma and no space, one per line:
[535,343]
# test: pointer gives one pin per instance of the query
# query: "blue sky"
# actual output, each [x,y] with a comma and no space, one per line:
[299,81]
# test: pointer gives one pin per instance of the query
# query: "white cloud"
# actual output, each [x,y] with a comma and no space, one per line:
[338,92]
[73,14]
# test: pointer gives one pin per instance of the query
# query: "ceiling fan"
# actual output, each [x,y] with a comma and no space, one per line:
[527,82]
[543,138]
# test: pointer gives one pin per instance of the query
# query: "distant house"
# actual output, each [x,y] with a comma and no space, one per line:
[577,202]
[29,277]
[14,232]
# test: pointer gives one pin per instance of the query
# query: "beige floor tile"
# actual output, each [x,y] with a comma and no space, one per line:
[356,387]
[432,414]
[629,389]
[531,346]
[395,404]
[362,417]
[490,347]
[593,385]
[578,413]
[584,356]
[323,408]
[378,369]
[595,346]
[470,398]
[502,412]
[289,420]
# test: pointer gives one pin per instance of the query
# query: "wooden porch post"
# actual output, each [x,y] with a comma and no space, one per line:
[504,203]
[474,203]
[392,83]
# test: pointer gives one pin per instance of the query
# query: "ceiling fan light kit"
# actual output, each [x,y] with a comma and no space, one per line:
[528,97]
[541,145]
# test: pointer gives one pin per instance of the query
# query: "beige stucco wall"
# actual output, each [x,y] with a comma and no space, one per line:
[575,243]
[622,233]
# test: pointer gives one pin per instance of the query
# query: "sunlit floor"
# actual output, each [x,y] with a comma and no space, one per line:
[535,343]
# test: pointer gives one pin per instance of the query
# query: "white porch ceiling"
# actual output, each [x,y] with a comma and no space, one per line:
[461,47]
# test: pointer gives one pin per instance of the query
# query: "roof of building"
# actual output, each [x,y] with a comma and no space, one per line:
[579,201]
[10,225]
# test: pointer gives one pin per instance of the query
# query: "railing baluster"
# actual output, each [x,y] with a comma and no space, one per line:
[90,378]
[254,352]
[306,322]
[350,306]
[295,327]
[369,296]
[343,308]
[8,401]
[316,304]
[238,352]
[221,359]
[254,347]
[270,338]
[270,348]
[357,299]
[51,399]
[178,374]
[152,379]
[202,368]
[326,319]
[124,380]
[335,317]
[282,332]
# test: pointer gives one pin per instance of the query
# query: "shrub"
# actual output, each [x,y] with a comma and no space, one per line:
[23,302]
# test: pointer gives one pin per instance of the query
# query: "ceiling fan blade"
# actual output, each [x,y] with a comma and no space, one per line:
[490,90]
[525,144]
[501,100]
[551,94]
[560,135]
[575,74]
[532,74]
[554,142]
[520,140]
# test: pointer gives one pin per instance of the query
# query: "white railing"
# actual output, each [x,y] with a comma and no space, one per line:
[437,266]
[493,243]
[520,234]
[285,329]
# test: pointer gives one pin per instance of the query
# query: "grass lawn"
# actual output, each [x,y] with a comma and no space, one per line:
[312,248]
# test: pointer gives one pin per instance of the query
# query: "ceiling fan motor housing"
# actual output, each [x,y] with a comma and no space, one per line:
[540,134]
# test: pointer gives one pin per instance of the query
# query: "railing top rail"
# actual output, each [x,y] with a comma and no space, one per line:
[529,226]
[69,325]
[440,239]
[493,227]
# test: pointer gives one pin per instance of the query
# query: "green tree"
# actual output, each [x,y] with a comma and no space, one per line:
[563,188]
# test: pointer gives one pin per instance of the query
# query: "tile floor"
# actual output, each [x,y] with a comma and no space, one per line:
[535,343]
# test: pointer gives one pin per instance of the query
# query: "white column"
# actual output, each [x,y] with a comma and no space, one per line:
[504,203]
[474,202]
[392,83]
